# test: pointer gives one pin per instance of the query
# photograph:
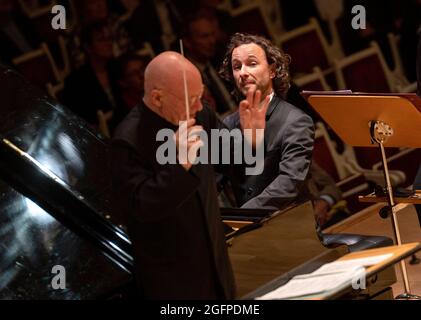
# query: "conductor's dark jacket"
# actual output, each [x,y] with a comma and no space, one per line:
[172,214]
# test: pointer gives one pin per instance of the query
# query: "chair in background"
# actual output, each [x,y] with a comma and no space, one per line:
[314,81]
[297,42]
[130,5]
[146,51]
[366,71]
[41,18]
[346,163]
[251,18]
[55,91]
[29,7]
[38,66]
[103,119]
[336,43]
[406,160]
[65,57]
[402,83]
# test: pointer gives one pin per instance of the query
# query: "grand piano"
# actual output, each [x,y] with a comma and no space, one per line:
[55,203]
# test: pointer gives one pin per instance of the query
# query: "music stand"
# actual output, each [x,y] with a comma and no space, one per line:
[370,120]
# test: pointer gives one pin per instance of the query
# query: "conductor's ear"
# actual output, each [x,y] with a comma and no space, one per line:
[156,98]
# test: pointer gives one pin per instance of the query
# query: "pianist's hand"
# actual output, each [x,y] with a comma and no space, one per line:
[321,211]
[252,112]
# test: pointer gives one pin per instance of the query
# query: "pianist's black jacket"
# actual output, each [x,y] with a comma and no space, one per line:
[172,215]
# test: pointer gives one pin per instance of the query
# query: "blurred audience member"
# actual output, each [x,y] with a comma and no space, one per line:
[155,21]
[128,72]
[200,41]
[89,88]
[94,11]
[225,30]
[17,36]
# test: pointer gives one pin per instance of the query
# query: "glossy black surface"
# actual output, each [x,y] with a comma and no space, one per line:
[55,201]
[57,139]
[33,242]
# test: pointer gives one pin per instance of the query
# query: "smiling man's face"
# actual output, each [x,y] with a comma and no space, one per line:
[251,70]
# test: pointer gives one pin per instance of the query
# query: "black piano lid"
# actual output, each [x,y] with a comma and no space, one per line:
[51,159]
[32,242]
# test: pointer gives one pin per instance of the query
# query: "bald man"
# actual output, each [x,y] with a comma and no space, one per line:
[171,211]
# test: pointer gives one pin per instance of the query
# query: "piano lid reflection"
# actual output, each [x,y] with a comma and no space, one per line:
[55,202]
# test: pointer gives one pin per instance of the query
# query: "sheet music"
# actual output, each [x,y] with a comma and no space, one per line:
[341,266]
[328,277]
[299,287]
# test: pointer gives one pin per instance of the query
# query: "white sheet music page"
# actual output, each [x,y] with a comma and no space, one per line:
[345,265]
[328,277]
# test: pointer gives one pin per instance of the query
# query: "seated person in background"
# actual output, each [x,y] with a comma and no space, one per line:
[17,36]
[95,11]
[154,21]
[128,71]
[254,62]
[223,18]
[90,88]
[200,40]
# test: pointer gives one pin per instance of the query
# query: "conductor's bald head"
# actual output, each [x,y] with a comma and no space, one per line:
[164,87]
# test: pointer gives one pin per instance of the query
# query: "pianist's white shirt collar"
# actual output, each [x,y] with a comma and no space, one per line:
[271,96]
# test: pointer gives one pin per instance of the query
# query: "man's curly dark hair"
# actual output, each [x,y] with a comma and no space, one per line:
[281,81]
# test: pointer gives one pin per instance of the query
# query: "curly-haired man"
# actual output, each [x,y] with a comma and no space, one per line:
[254,63]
